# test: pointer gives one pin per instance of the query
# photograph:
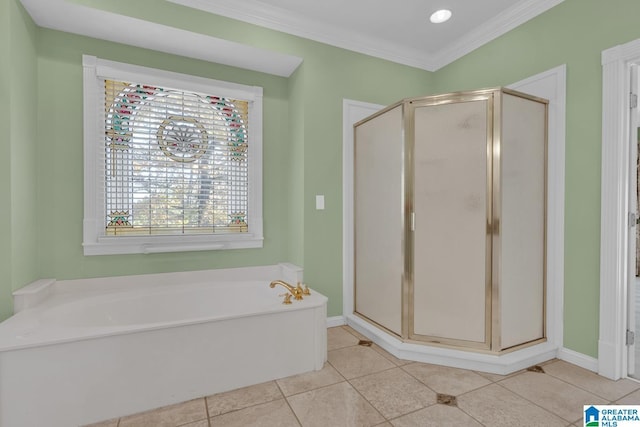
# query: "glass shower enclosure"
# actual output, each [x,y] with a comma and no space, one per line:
[450,219]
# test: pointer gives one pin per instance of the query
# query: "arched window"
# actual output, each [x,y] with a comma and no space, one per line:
[174,161]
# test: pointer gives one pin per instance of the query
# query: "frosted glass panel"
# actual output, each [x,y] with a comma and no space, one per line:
[523,211]
[378,219]
[450,281]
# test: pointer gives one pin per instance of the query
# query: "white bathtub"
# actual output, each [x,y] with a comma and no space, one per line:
[81,351]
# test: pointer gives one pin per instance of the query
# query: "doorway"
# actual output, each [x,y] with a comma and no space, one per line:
[618,311]
[633,322]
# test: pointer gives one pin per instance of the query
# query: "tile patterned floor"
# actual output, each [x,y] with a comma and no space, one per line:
[366,386]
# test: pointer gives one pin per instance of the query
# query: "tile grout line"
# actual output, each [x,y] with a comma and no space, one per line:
[491,382]
[250,406]
[286,399]
[467,392]
[427,385]
[626,395]
[206,410]
[535,404]
[416,378]
[588,391]
[419,381]
[317,388]
[367,400]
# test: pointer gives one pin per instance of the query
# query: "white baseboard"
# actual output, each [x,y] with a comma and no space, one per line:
[578,359]
[503,364]
[563,353]
[335,321]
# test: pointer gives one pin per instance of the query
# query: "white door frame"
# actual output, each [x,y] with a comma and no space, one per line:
[614,230]
[633,203]
[352,112]
[553,85]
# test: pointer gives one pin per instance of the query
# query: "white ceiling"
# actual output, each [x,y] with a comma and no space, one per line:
[375,27]
[396,30]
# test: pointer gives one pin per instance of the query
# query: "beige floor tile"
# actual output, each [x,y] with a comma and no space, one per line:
[436,416]
[356,361]
[496,377]
[554,395]
[168,416]
[389,356]
[336,405]
[242,398]
[376,347]
[354,332]
[310,380]
[108,423]
[394,392]
[496,406]
[201,423]
[591,382]
[384,424]
[631,399]
[339,338]
[443,379]
[276,413]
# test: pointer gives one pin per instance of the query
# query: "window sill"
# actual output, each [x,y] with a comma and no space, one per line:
[161,244]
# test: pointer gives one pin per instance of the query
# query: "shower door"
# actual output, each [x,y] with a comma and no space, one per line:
[378,218]
[451,293]
[519,266]
[480,226]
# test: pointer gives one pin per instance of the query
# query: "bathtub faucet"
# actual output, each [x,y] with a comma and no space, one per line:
[296,291]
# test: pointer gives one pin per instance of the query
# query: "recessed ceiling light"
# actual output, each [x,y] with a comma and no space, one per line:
[440,16]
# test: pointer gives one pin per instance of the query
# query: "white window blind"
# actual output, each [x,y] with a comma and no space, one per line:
[175,161]
[172,162]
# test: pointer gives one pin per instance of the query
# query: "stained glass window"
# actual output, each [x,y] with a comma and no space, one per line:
[176,161]
[173,162]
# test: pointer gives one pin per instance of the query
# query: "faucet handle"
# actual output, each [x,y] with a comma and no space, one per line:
[287,298]
[306,290]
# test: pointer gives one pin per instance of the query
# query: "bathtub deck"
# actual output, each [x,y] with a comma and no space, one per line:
[92,351]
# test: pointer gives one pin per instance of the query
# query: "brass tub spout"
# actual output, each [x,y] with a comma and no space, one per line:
[295,291]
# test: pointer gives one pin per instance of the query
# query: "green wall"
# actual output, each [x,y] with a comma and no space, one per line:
[357,77]
[294,164]
[302,151]
[60,161]
[5,161]
[18,173]
[303,140]
[573,33]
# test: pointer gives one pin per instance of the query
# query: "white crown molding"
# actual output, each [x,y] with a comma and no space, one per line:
[492,29]
[255,12]
[73,18]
